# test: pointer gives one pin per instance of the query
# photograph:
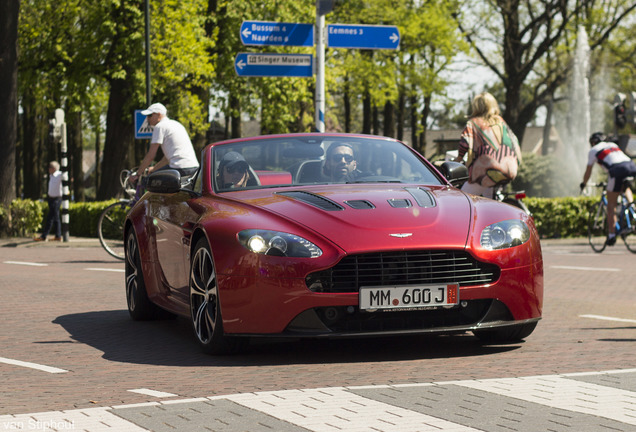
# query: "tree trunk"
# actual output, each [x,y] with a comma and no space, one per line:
[426,110]
[347,104]
[414,122]
[119,139]
[9,11]
[366,112]
[98,150]
[375,120]
[76,152]
[389,124]
[401,114]
[31,160]
[235,107]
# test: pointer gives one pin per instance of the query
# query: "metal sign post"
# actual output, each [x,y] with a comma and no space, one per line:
[320,67]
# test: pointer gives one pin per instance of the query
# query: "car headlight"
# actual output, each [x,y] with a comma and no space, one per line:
[278,244]
[505,234]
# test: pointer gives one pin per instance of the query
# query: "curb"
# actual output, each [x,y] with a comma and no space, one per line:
[22,242]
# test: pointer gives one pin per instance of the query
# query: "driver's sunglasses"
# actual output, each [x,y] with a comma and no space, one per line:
[237,168]
[337,157]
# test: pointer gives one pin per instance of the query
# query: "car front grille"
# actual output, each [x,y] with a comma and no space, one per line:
[402,268]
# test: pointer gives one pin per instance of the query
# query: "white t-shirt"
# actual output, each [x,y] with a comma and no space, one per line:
[55,184]
[175,143]
[606,154]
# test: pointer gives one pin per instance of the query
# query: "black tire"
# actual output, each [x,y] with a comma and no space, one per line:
[205,304]
[597,228]
[629,236]
[110,228]
[506,334]
[139,305]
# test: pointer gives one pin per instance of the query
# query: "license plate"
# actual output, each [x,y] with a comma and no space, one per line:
[408,297]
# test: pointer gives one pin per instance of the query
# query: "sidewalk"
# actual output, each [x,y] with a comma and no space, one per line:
[28,242]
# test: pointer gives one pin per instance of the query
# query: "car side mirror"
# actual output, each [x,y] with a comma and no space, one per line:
[164,181]
[455,172]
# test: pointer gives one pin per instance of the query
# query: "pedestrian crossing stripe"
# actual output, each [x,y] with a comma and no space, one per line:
[605,398]
[145,127]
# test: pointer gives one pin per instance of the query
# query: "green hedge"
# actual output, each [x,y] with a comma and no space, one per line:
[554,217]
[561,217]
[24,218]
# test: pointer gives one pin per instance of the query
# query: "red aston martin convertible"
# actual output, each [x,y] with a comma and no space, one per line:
[329,235]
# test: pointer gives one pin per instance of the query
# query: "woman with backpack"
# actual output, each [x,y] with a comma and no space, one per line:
[491,148]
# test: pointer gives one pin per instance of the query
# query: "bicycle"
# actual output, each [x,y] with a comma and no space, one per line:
[110,227]
[597,229]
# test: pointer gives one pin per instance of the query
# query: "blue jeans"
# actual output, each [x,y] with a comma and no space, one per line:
[53,217]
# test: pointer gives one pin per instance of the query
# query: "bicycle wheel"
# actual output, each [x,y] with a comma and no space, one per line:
[597,227]
[629,234]
[110,228]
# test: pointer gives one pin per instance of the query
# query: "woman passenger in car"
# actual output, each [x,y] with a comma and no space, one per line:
[233,171]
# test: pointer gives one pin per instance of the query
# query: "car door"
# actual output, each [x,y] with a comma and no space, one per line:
[173,219]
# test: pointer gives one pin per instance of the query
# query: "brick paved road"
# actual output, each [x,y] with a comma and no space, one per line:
[70,314]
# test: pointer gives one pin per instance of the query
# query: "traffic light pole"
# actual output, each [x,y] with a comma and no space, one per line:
[60,125]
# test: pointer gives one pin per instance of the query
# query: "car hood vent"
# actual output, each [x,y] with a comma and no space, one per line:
[400,203]
[313,199]
[423,197]
[360,204]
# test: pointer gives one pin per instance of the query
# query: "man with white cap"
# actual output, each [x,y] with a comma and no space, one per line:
[174,141]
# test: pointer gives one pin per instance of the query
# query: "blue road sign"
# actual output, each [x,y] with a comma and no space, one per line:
[270,64]
[362,36]
[273,33]
[142,129]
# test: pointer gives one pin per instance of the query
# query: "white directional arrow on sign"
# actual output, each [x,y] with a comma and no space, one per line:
[362,36]
[274,64]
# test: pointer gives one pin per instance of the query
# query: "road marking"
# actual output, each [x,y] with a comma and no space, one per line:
[89,419]
[337,408]
[44,368]
[105,269]
[599,269]
[329,409]
[606,318]
[596,373]
[26,263]
[153,393]
[559,392]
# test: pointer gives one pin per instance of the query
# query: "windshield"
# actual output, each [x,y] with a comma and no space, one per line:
[315,160]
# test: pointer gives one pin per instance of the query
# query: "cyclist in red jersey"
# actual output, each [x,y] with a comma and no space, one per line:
[618,166]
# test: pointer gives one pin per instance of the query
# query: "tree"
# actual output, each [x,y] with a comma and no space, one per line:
[180,66]
[282,104]
[529,45]
[395,83]
[9,11]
